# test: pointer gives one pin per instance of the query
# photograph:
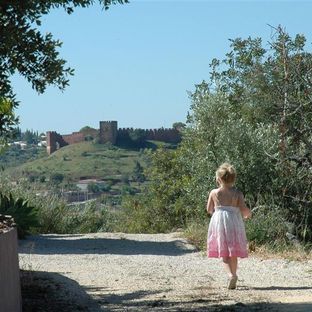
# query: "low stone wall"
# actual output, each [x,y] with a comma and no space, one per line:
[10,294]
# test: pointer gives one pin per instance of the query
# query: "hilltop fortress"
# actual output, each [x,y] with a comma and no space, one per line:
[109,133]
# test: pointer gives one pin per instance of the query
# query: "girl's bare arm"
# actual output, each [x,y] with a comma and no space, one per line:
[210,204]
[245,211]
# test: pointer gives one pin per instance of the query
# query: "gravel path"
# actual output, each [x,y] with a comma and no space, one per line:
[162,272]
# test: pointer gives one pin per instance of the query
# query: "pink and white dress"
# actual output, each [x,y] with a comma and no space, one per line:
[226,233]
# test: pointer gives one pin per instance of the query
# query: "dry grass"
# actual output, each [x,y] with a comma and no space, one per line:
[196,235]
[291,254]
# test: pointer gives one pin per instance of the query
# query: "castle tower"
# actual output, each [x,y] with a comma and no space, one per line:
[108,132]
[54,142]
[51,142]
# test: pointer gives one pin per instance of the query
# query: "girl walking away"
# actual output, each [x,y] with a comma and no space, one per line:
[226,232]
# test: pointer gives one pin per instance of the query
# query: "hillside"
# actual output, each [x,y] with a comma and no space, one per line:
[83,160]
[13,156]
[87,170]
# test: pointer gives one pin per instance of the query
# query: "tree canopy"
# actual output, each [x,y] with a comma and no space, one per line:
[25,50]
[255,112]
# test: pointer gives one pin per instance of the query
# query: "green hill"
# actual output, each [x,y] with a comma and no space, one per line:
[83,160]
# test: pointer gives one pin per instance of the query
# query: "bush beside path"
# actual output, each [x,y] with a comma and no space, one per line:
[158,272]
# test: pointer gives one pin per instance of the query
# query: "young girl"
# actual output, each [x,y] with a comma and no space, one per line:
[226,233]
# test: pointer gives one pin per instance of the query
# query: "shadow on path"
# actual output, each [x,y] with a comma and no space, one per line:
[138,302]
[282,288]
[46,245]
[53,292]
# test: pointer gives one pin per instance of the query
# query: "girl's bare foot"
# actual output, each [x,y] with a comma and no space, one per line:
[232,282]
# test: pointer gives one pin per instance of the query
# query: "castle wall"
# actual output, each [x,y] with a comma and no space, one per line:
[54,141]
[163,134]
[91,132]
[109,132]
[75,137]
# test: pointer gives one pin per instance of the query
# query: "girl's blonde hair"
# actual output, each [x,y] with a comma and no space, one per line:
[226,173]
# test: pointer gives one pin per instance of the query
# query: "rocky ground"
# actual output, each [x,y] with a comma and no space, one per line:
[143,272]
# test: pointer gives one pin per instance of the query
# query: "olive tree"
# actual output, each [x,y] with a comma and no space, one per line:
[254,111]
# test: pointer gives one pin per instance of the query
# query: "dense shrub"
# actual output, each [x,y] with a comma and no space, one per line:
[24,214]
[44,213]
[196,233]
[139,216]
[87,218]
[57,178]
[254,113]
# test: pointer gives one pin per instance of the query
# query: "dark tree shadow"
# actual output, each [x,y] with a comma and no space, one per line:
[62,236]
[138,302]
[283,288]
[53,292]
[45,245]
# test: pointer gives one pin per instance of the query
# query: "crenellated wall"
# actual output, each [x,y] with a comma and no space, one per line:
[109,132]
[168,135]
[73,138]
[165,135]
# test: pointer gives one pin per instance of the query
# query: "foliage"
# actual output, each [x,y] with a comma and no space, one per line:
[138,173]
[89,138]
[25,50]
[15,134]
[273,87]
[24,214]
[51,211]
[168,179]
[58,217]
[159,209]
[57,178]
[89,133]
[7,116]
[178,125]
[31,137]
[125,179]
[217,134]
[139,216]
[196,234]
[13,156]
[86,160]
[254,112]
[128,190]
[93,187]
[267,225]
[106,187]
[46,213]
[99,187]
[87,130]
[86,219]
[112,166]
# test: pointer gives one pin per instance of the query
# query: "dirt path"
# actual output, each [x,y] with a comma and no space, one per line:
[139,272]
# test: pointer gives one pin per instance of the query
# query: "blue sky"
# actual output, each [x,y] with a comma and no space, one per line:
[135,63]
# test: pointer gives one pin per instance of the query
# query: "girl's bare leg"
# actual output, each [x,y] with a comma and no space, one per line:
[230,265]
[226,262]
[233,265]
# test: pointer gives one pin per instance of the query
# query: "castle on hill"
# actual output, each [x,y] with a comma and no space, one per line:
[109,133]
